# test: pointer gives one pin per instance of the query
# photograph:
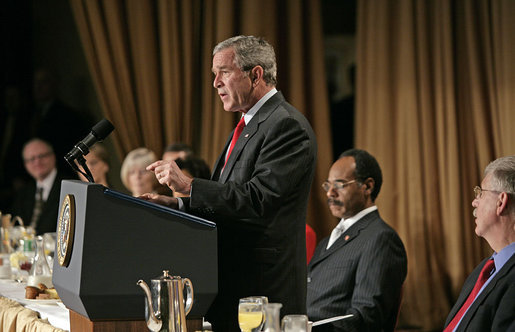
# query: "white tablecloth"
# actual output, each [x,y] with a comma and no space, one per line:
[55,312]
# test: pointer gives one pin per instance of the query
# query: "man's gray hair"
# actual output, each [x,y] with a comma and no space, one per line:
[503,174]
[252,51]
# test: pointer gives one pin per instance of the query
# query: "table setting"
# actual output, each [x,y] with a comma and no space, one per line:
[27,296]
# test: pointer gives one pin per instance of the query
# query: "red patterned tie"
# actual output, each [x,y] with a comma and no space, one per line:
[237,132]
[483,277]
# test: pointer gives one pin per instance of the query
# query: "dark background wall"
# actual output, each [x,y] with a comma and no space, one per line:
[38,33]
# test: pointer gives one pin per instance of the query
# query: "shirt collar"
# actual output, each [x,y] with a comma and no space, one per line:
[47,183]
[253,110]
[503,256]
[345,224]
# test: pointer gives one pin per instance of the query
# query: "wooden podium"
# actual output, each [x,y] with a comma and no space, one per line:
[107,241]
[83,324]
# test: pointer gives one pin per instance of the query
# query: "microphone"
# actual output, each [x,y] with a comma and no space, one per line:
[97,134]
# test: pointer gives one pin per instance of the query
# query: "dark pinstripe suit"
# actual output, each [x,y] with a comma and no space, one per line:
[361,274]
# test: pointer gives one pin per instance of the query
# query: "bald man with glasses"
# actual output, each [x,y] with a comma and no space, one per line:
[359,270]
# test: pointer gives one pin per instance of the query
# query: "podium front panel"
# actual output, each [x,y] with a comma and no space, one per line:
[118,240]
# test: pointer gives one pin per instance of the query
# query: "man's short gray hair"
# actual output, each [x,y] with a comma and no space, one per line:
[503,174]
[252,51]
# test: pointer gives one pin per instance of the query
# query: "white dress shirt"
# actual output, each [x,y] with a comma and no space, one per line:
[345,224]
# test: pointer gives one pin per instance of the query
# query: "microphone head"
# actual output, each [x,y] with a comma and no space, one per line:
[102,129]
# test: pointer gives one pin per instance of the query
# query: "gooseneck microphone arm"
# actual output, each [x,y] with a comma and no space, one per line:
[100,131]
[87,173]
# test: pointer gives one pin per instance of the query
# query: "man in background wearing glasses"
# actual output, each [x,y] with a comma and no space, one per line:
[38,202]
[487,299]
[359,270]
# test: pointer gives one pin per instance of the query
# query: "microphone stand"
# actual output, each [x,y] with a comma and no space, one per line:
[82,161]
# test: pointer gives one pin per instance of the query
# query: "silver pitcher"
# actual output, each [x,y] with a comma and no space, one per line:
[165,308]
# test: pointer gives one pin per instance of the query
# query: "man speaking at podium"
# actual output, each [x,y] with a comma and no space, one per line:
[258,192]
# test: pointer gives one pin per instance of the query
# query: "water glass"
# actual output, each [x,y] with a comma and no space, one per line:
[295,323]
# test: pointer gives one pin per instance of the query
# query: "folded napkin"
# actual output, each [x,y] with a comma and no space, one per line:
[16,318]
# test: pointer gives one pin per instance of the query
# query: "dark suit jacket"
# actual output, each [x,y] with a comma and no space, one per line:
[361,274]
[494,308]
[259,204]
[24,205]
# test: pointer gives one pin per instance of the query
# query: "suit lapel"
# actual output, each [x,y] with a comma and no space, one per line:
[250,129]
[345,238]
[245,136]
[466,289]
[510,264]
[215,176]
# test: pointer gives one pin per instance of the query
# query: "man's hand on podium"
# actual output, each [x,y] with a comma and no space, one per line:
[168,201]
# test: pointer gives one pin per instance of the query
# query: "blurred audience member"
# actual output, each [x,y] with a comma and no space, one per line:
[53,120]
[38,202]
[97,161]
[311,242]
[177,151]
[360,268]
[134,175]
[487,299]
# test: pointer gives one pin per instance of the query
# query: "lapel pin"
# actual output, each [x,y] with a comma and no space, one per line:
[246,135]
[347,237]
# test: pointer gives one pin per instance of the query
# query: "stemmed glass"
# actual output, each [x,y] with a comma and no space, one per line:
[251,314]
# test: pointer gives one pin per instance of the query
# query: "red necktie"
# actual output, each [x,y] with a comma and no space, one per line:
[237,132]
[483,277]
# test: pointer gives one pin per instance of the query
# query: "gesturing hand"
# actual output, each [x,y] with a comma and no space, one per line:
[168,173]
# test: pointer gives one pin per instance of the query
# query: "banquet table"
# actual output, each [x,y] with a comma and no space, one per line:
[53,311]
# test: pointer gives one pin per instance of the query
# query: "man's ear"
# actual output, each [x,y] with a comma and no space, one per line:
[502,203]
[369,184]
[256,74]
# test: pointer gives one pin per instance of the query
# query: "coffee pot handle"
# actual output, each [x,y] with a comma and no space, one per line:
[189,295]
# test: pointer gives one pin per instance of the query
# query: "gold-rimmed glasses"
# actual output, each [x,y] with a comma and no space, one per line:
[337,185]
[478,191]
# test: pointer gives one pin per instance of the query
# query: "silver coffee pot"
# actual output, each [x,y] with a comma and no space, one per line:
[165,307]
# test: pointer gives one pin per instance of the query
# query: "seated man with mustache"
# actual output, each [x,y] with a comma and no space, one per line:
[359,270]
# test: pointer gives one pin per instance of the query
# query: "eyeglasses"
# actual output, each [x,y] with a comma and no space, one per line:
[337,185]
[39,156]
[478,191]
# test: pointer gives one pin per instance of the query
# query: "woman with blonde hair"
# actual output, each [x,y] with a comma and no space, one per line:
[134,175]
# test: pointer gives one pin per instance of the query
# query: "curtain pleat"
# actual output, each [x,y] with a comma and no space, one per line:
[434,105]
[150,61]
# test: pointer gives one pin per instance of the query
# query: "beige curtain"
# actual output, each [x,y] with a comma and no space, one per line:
[141,57]
[435,101]
[150,61]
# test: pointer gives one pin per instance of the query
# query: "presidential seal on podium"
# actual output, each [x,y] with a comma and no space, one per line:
[65,230]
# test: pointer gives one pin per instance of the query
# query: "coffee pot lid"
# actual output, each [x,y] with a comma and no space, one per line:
[166,277]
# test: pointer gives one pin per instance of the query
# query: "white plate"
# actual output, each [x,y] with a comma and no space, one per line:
[36,301]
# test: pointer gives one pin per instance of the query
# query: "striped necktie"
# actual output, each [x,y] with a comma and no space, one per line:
[335,234]
[38,207]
